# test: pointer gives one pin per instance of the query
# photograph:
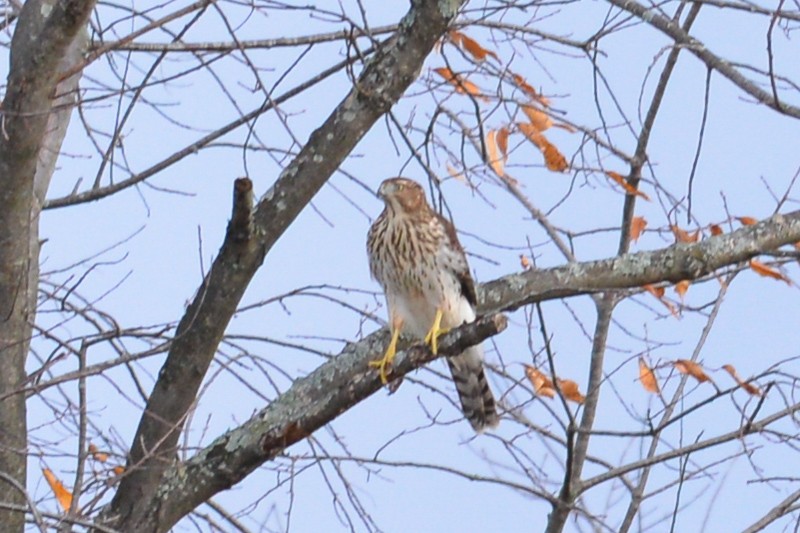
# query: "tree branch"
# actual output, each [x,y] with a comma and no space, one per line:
[676,263]
[786,506]
[346,380]
[310,403]
[127,43]
[395,65]
[624,272]
[44,33]
[676,33]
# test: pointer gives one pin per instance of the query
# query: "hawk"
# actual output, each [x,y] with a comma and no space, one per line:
[415,255]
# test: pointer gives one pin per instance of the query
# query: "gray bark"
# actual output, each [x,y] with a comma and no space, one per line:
[393,67]
[676,263]
[43,45]
[347,379]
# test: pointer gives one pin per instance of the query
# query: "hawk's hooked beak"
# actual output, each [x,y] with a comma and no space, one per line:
[383,190]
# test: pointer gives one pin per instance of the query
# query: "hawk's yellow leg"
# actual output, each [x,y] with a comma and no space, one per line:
[436,330]
[391,351]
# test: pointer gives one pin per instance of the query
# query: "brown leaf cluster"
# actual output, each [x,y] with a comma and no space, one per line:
[538,118]
[471,46]
[659,293]
[461,83]
[768,272]
[649,382]
[617,178]
[543,386]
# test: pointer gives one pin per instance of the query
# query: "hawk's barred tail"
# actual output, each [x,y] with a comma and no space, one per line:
[476,397]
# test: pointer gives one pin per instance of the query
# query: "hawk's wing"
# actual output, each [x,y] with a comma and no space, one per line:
[477,401]
[461,270]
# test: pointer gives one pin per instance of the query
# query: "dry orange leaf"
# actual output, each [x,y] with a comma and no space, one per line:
[553,159]
[542,385]
[532,134]
[622,182]
[570,391]
[768,272]
[647,377]
[63,496]
[502,142]
[496,161]
[118,470]
[637,227]
[658,292]
[471,45]
[524,262]
[537,118]
[684,366]
[749,387]
[747,221]
[715,229]
[681,235]
[461,84]
[542,121]
[681,287]
[97,455]
[525,87]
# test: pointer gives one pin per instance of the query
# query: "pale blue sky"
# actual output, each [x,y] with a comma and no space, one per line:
[743,144]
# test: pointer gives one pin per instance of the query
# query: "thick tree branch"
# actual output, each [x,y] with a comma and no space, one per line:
[676,263]
[395,65]
[578,448]
[309,404]
[642,145]
[625,272]
[347,379]
[240,228]
[30,138]
[578,441]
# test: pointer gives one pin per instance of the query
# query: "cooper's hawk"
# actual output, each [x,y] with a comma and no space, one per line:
[416,257]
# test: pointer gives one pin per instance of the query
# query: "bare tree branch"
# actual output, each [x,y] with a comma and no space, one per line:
[787,505]
[317,399]
[678,262]
[501,111]
[127,44]
[713,61]
[136,505]
[43,35]
[309,404]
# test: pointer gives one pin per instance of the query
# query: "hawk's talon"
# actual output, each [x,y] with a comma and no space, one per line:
[432,337]
[388,357]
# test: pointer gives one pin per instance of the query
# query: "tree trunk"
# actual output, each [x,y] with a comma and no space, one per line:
[29,143]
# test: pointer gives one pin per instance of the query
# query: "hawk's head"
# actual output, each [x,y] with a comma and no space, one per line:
[403,195]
